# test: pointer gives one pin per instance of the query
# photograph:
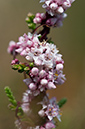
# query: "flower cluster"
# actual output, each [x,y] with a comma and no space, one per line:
[47,72]
[39,18]
[49,20]
[48,125]
[55,12]
[49,110]
[43,69]
[54,7]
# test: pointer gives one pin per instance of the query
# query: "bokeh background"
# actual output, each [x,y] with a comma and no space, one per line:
[70,40]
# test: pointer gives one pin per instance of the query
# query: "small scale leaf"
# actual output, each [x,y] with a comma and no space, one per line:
[15,66]
[10,96]
[13,102]
[22,65]
[12,107]
[62,102]
[32,26]
[26,68]
[20,111]
[28,20]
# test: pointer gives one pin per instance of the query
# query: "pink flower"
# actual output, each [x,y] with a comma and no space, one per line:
[49,125]
[39,17]
[12,47]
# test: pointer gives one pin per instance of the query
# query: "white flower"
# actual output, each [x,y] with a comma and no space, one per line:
[60,10]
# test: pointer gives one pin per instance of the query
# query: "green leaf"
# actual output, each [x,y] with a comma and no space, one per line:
[32,26]
[26,69]
[39,36]
[20,69]
[22,65]
[15,66]
[20,111]
[50,41]
[31,18]
[62,102]
[28,20]
[31,65]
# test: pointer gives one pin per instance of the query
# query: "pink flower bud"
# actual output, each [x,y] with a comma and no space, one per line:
[41,113]
[44,82]
[14,61]
[38,15]
[12,46]
[66,5]
[49,125]
[34,71]
[53,6]
[43,16]
[59,66]
[38,20]
[51,85]
[42,127]
[32,86]
[42,73]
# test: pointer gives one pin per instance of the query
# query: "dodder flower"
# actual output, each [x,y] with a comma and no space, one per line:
[48,63]
[54,7]
[54,21]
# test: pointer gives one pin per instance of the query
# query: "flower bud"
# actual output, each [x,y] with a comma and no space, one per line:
[44,82]
[41,113]
[51,85]
[53,6]
[34,71]
[60,10]
[59,66]
[66,5]
[32,86]
[49,125]
[42,73]
[16,61]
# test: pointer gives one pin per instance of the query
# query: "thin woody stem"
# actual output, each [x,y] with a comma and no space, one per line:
[14,54]
[43,32]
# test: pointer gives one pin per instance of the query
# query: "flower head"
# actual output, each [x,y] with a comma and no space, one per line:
[54,7]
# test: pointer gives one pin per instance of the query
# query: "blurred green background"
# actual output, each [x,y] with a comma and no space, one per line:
[70,40]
